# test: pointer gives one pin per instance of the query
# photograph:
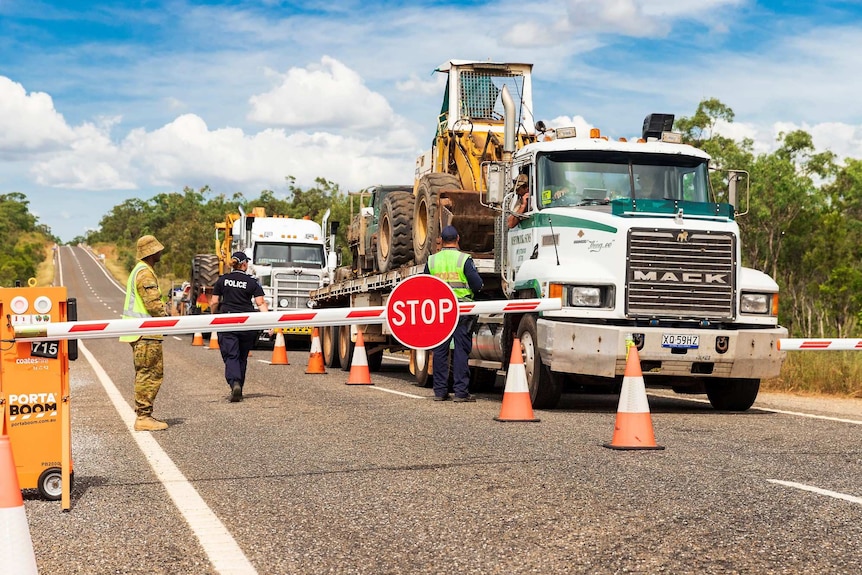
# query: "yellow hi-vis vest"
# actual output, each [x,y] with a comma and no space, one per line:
[448,265]
[134,306]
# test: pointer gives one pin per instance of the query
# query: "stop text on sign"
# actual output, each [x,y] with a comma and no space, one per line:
[422,312]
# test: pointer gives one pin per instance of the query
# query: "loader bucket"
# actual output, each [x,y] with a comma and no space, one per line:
[474,222]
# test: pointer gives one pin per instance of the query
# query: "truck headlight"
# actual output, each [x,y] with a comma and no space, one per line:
[584,296]
[282,302]
[759,303]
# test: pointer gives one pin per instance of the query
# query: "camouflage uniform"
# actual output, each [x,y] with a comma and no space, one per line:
[147,350]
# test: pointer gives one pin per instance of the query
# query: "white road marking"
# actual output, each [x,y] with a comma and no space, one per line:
[222,549]
[410,395]
[803,487]
[759,408]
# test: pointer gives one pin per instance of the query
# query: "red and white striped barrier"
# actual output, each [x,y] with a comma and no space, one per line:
[247,321]
[819,344]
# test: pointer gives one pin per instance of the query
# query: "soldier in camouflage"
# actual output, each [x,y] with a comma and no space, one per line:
[144,299]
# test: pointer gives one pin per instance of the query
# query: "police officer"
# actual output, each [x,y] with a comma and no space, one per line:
[233,293]
[458,270]
[144,299]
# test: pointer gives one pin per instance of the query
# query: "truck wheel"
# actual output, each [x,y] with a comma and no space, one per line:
[546,387]
[426,219]
[50,484]
[732,394]
[328,343]
[375,360]
[394,239]
[421,366]
[345,348]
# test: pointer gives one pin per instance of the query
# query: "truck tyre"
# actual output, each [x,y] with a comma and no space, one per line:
[375,360]
[546,387]
[732,394]
[420,366]
[345,348]
[394,235]
[329,346]
[204,275]
[426,219]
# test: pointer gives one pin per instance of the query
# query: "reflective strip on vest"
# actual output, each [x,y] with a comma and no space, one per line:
[448,265]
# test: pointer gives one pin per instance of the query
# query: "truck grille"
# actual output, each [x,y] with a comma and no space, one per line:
[294,287]
[681,274]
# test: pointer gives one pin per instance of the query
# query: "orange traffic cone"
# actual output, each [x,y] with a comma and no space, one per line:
[279,351]
[517,405]
[17,555]
[359,372]
[315,358]
[198,339]
[633,427]
[213,341]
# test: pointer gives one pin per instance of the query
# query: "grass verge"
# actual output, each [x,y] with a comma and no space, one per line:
[837,373]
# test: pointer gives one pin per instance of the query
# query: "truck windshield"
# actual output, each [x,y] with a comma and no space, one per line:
[289,255]
[591,178]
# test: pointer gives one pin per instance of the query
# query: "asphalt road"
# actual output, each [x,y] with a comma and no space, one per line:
[309,475]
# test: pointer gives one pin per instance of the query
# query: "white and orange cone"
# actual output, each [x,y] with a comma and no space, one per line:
[279,350]
[198,339]
[517,405]
[315,357]
[633,427]
[359,372]
[15,542]
[213,341]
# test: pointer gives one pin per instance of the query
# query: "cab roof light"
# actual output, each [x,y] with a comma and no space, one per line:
[655,124]
[595,133]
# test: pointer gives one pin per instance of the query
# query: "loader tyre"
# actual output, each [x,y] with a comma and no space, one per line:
[546,387]
[426,217]
[204,274]
[394,240]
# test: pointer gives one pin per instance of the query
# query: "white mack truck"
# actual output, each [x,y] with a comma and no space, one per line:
[288,256]
[630,236]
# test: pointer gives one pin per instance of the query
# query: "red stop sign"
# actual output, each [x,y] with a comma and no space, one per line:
[422,312]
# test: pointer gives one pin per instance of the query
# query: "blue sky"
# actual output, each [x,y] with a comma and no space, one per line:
[105,101]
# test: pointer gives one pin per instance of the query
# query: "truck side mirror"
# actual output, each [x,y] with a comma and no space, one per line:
[497,176]
[737,184]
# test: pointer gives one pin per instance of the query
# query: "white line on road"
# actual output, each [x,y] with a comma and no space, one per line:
[759,408]
[813,489]
[219,545]
[410,395]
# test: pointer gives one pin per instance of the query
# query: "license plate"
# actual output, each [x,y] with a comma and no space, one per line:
[679,340]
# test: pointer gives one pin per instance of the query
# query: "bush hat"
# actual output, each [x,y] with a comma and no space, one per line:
[147,246]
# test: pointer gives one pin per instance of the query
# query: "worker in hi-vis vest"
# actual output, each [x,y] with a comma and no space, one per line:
[458,270]
[144,299]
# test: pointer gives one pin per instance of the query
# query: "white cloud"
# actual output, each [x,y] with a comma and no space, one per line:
[326,95]
[28,122]
[432,87]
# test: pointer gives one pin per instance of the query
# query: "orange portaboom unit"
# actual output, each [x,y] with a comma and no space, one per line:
[34,390]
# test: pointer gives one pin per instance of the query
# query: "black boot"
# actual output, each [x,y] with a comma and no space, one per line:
[235,391]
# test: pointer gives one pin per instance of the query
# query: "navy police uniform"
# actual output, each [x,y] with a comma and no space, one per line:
[236,291]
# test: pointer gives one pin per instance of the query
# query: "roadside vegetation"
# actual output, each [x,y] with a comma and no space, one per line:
[802,225]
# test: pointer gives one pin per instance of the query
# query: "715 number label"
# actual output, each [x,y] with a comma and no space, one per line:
[47,349]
